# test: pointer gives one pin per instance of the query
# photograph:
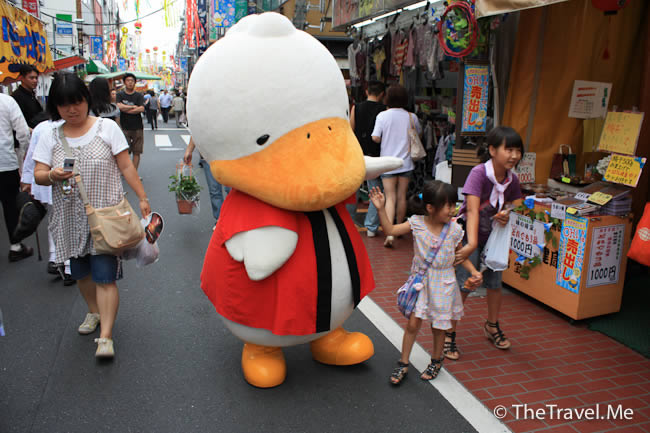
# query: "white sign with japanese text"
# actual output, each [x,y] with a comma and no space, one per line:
[526,235]
[605,256]
[526,168]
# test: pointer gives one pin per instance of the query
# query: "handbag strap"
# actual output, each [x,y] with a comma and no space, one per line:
[412,123]
[433,252]
[75,170]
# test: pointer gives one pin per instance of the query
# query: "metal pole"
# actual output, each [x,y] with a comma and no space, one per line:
[54,35]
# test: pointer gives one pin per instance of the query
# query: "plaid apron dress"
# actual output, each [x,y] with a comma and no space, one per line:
[101,176]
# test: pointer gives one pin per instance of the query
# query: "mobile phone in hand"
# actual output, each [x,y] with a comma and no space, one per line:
[68,164]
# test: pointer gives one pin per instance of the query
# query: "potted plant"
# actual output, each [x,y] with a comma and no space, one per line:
[187,191]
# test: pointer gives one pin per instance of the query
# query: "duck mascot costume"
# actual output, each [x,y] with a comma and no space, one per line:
[268,108]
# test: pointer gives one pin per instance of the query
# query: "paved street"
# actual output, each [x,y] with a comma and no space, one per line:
[177,368]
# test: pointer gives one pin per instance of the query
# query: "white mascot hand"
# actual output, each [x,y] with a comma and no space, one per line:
[263,250]
[375,166]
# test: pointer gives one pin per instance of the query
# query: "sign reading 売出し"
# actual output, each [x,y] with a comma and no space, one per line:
[24,40]
[572,252]
[475,98]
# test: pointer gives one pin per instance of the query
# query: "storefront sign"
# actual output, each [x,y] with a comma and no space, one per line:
[572,252]
[475,98]
[31,6]
[589,99]
[96,48]
[63,24]
[222,14]
[621,133]
[526,235]
[526,168]
[625,170]
[23,41]
[605,255]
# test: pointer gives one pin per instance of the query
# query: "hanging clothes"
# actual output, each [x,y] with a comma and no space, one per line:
[436,55]
[401,47]
[378,58]
[388,47]
[409,62]
[353,49]
[423,41]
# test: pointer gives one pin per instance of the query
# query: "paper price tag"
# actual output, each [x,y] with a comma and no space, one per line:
[584,196]
[600,198]
[558,210]
[566,180]
[571,211]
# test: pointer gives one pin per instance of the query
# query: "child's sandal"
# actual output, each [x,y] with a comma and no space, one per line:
[399,373]
[498,338]
[432,369]
[450,349]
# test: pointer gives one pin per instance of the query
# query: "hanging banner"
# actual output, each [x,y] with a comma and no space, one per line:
[122,64]
[24,40]
[476,83]
[624,169]
[621,133]
[572,252]
[202,7]
[241,9]
[605,256]
[184,63]
[96,48]
[223,14]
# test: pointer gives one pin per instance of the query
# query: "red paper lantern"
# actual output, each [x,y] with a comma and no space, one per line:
[147,51]
[155,49]
[609,7]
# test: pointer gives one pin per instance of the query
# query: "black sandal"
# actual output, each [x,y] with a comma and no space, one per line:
[498,338]
[399,373]
[433,369]
[450,349]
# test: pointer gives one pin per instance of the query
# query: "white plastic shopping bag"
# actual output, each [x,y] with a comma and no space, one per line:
[497,248]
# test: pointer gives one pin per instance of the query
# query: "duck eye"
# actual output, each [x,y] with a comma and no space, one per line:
[329,127]
[308,135]
[263,139]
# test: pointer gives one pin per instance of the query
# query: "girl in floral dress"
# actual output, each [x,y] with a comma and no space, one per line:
[439,299]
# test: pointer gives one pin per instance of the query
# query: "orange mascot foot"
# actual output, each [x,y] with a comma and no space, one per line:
[263,366]
[341,347]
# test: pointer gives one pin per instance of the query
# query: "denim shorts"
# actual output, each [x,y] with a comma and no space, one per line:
[491,279]
[402,174]
[104,268]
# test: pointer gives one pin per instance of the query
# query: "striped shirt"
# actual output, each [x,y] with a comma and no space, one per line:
[11,119]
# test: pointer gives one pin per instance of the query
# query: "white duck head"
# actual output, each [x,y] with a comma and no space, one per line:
[268,108]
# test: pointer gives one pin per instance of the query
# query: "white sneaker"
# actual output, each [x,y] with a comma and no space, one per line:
[104,348]
[90,324]
[371,234]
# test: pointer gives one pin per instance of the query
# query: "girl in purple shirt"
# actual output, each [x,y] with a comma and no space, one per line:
[488,189]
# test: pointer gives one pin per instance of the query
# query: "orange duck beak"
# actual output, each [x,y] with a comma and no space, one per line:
[310,168]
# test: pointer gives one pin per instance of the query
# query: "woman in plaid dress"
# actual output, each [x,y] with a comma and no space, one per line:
[101,155]
[439,299]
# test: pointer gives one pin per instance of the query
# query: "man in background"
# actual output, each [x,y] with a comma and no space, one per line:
[362,120]
[165,105]
[25,94]
[131,105]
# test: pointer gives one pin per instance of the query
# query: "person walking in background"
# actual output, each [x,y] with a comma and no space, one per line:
[12,119]
[362,120]
[391,130]
[154,106]
[44,194]
[25,94]
[217,191]
[165,105]
[100,95]
[131,105]
[147,113]
[178,105]
[99,149]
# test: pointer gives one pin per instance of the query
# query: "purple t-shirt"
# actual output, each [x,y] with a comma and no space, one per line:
[479,185]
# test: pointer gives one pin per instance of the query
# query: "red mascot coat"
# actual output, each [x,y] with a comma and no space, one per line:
[295,299]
